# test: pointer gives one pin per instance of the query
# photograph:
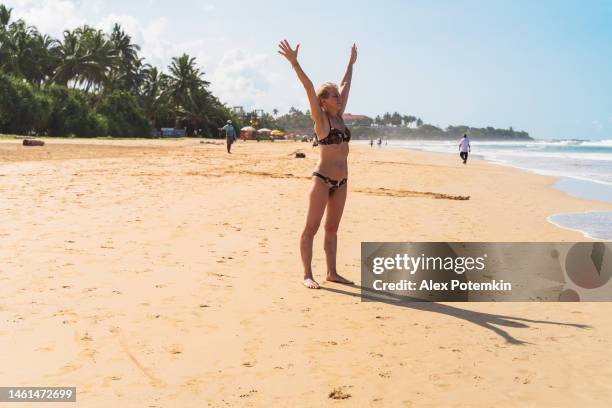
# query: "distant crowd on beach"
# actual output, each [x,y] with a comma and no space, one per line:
[231,137]
[379,142]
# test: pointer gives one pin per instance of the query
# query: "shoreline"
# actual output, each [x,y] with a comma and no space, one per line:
[576,187]
[132,146]
[574,216]
[584,234]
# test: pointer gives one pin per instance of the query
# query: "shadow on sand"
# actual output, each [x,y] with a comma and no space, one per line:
[485,320]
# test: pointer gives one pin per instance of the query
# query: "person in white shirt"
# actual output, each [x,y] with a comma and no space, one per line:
[464,148]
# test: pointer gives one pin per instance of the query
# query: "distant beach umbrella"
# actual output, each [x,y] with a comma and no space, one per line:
[264,130]
[248,129]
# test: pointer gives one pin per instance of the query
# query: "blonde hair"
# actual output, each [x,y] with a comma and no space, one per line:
[323,91]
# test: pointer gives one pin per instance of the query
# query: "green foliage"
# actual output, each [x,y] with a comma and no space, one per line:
[22,109]
[486,133]
[72,113]
[10,104]
[122,115]
[91,83]
[431,132]
[296,121]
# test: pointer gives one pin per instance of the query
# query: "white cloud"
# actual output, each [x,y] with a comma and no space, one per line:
[200,49]
[253,81]
[49,16]
[129,24]
[157,44]
[152,37]
[241,78]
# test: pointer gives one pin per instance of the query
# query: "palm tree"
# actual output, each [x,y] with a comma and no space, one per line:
[419,122]
[5,16]
[154,100]
[123,43]
[13,43]
[408,119]
[184,79]
[42,59]
[86,58]
[127,75]
[386,118]
[96,62]
[70,55]
[396,119]
[24,52]
[99,60]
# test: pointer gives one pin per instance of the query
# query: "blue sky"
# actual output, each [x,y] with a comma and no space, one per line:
[539,66]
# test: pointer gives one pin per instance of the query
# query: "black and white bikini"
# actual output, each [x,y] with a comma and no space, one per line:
[335,136]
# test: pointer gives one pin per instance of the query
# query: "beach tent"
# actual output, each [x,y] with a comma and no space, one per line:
[277,134]
[247,132]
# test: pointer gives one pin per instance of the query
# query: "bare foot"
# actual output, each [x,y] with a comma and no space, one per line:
[339,279]
[311,284]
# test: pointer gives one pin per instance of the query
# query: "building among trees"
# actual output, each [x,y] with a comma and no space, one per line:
[357,120]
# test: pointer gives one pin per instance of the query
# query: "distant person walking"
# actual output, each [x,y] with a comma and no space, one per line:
[464,148]
[230,135]
[379,141]
[371,142]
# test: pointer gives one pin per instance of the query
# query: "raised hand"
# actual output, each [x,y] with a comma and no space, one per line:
[286,51]
[353,55]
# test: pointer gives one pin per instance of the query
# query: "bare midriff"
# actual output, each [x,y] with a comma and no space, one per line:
[332,161]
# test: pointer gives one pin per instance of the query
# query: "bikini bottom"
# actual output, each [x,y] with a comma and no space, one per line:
[332,184]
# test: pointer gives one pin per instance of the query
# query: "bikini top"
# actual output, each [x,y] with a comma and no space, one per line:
[335,136]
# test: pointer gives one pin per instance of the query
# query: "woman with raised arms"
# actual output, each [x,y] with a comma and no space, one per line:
[328,191]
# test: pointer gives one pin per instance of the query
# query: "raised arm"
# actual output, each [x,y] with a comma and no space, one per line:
[345,84]
[315,108]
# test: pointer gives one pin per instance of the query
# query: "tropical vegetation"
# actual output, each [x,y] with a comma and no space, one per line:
[92,83]
[398,126]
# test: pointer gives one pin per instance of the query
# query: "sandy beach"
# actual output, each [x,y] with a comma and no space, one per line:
[166,273]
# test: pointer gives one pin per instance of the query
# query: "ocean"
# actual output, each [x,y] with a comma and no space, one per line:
[584,169]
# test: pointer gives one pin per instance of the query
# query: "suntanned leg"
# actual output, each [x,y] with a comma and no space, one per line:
[335,208]
[319,194]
